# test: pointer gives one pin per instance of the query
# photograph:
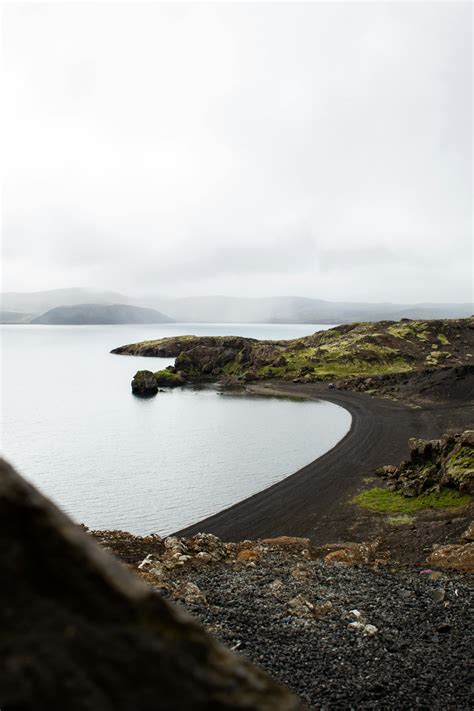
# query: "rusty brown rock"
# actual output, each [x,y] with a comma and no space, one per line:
[248,555]
[454,557]
[468,535]
[286,541]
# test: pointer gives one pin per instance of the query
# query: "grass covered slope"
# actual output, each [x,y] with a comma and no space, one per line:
[345,352]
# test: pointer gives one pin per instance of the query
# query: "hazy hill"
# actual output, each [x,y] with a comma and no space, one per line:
[15,317]
[37,302]
[228,309]
[290,309]
[100,314]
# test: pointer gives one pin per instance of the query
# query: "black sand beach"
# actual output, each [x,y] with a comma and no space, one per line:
[313,501]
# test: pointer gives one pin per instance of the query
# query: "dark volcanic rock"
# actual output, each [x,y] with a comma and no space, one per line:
[144,384]
[342,635]
[385,357]
[434,464]
[81,632]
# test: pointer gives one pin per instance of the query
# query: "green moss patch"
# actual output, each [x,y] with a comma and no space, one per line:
[168,379]
[385,501]
[401,520]
[463,459]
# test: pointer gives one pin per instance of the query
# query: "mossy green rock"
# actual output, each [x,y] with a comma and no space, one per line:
[169,379]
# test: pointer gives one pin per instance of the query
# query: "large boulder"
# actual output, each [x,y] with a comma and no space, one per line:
[144,384]
[80,632]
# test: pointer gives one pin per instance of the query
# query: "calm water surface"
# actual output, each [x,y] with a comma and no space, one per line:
[70,424]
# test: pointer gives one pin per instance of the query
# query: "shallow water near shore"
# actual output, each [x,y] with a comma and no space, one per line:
[72,427]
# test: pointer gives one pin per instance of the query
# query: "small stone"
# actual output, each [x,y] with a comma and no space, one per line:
[191,594]
[299,573]
[356,614]
[444,627]
[146,562]
[172,542]
[468,535]
[276,585]
[370,630]
[356,626]
[300,607]
[203,557]
[326,608]
[437,595]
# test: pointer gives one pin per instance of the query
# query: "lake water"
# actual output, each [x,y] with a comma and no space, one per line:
[70,424]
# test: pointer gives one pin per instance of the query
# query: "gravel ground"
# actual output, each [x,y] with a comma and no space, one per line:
[419,657]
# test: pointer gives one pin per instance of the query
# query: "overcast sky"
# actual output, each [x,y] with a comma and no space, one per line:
[319,149]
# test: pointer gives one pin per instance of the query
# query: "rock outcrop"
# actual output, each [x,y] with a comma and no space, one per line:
[361,353]
[79,631]
[453,557]
[434,464]
[144,384]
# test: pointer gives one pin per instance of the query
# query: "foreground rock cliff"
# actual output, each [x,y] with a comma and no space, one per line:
[81,632]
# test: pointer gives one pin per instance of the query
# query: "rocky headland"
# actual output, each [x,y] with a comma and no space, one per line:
[377,357]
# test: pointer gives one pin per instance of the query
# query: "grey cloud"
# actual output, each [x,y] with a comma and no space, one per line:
[312,148]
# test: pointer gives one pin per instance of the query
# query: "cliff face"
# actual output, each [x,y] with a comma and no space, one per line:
[352,351]
[79,631]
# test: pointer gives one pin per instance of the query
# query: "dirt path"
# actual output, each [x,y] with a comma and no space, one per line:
[313,501]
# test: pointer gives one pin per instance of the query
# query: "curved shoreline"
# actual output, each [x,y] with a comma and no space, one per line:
[312,502]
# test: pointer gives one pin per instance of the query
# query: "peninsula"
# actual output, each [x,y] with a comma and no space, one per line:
[360,356]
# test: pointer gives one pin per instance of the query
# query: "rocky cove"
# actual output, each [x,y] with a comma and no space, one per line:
[315,584]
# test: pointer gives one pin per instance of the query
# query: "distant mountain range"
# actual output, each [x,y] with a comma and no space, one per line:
[291,309]
[32,307]
[100,314]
